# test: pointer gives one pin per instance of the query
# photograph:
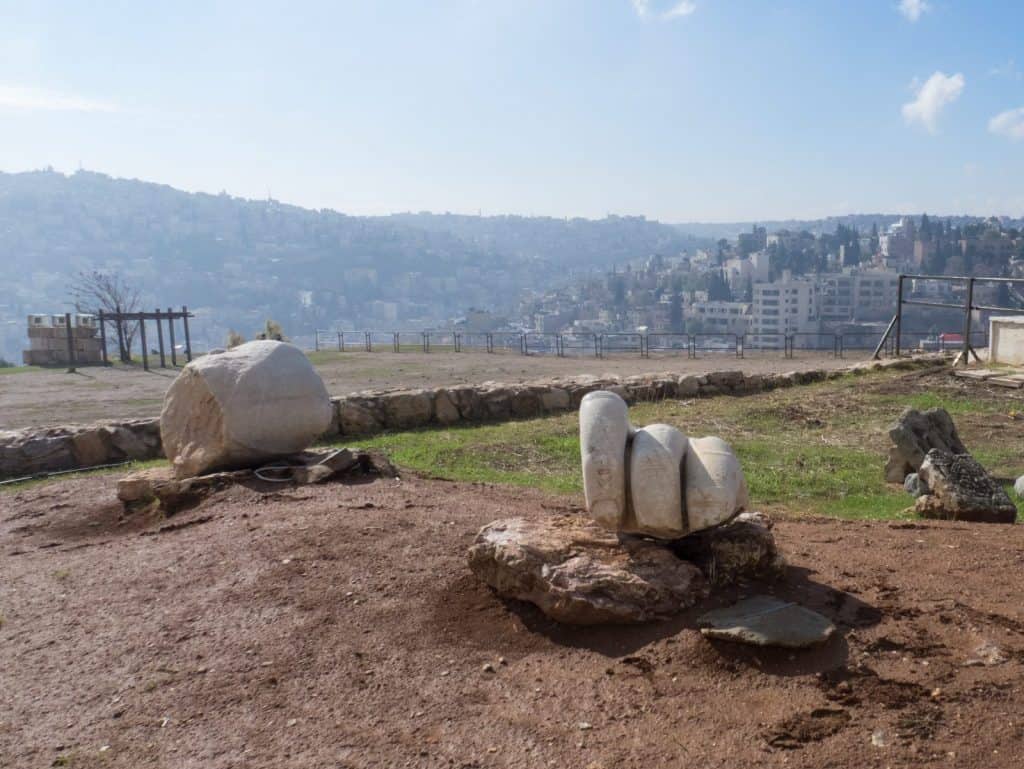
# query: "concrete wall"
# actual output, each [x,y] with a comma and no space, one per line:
[1006,340]
[29,452]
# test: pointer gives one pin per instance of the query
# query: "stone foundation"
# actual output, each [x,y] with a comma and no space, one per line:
[32,451]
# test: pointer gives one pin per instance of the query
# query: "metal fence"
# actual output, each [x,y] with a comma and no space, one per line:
[614,344]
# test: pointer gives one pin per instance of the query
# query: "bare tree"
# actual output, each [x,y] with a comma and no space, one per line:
[110,292]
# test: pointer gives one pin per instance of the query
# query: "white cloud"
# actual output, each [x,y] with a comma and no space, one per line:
[653,9]
[31,99]
[937,91]
[1009,124]
[913,9]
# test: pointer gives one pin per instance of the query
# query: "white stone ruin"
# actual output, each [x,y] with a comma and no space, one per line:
[654,480]
[253,403]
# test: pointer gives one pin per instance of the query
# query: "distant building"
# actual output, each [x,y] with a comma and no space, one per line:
[48,340]
[788,306]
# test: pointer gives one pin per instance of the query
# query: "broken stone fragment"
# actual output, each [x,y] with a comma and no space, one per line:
[579,573]
[960,489]
[767,621]
[255,402]
[743,548]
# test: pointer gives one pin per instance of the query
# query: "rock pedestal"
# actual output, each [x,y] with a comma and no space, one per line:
[579,573]
[960,489]
[255,402]
[914,435]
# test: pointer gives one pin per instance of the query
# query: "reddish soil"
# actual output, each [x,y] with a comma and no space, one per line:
[338,626]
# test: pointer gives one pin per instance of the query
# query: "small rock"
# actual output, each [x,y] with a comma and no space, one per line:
[488,667]
[766,621]
[879,738]
[961,489]
[584,726]
[1018,487]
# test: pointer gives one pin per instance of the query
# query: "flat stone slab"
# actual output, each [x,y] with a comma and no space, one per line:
[766,621]
[978,374]
[1014,381]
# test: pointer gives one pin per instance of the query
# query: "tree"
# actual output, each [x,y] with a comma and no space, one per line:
[272,330]
[96,291]
[234,339]
[675,313]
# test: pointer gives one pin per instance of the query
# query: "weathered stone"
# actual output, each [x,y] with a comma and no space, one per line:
[725,380]
[713,483]
[1018,487]
[744,548]
[90,448]
[766,621]
[913,435]
[604,432]
[580,574]
[914,486]
[655,481]
[445,410]
[688,386]
[257,401]
[407,408]
[358,416]
[555,399]
[961,489]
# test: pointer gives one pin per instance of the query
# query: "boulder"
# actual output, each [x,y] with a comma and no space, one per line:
[1018,487]
[581,574]
[253,403]
[742,549]
[715,489]
[961,489]
[913,435]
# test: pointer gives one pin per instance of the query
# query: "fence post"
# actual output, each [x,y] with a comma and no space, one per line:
[188,338]
[967,322]
[899,314]
[103,340]
[341,342]
[160,339]
[71,343]
[142,338]
[170,326]
[316,340]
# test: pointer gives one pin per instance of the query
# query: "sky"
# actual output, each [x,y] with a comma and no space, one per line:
[678,110]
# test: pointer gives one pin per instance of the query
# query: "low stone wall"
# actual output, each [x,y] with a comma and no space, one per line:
[31,451]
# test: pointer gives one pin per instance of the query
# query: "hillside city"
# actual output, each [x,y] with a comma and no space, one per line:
[237,263]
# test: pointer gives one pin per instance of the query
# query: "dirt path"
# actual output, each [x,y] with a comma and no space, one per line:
[338,626]
[53,397]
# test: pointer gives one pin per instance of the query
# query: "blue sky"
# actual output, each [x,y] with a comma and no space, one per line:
[681,110]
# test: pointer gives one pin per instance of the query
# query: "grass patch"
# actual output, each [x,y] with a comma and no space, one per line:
[818,449]
[11,370]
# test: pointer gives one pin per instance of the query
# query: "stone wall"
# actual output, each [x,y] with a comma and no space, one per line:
[31,451]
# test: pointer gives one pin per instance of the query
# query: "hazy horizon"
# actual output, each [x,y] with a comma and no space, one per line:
[700,111]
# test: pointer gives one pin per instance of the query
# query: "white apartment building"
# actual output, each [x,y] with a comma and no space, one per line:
[720,317]
[788,306]
[858,295]
[754,269]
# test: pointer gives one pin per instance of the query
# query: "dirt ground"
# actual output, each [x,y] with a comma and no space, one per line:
[339,626]
[54,397]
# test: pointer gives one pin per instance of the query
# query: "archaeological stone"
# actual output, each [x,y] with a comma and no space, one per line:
[961,489]
[715,487]
[604,431]
[579,573]
[743,548]
[913,435]
[250,404]
[656,481]
[1018,487]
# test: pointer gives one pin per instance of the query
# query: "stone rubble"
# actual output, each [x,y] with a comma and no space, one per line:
[960,489]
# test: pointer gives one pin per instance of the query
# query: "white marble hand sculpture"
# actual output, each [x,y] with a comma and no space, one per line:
[654,480]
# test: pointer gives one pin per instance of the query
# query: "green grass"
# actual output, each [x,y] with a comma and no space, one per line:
[817,449]
[9,370]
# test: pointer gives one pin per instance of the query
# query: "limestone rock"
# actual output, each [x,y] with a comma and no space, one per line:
[407,408]
[914,435]
[744,548]
[1018,487]
[578,573]
[766,621]
[961,489]
[253,403]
